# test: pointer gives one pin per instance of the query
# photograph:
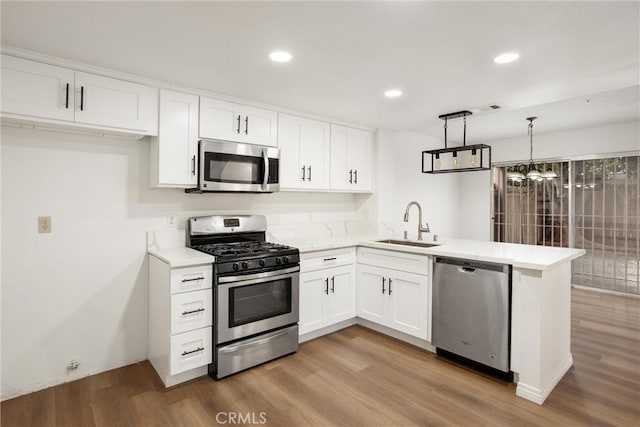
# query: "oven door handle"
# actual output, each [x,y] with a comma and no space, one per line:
[267,338]
[265,179]
[274,275]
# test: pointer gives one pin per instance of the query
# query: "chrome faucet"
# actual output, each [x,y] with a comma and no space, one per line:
[421,229]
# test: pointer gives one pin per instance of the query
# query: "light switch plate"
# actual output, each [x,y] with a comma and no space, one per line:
[44,224]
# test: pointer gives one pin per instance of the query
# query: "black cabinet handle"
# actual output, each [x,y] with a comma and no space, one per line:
[309,173]
[186,313]
[192,280]
[81,98]
[383,289]
[351,176]
[246,125]
[333,284]
[389,285]
[304,173]
[66,98]
[193,165]
[184,353]
[330,259]
[238,130]
[355,174]
[326,286]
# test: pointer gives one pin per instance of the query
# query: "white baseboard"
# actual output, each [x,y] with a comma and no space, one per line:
[537,395]
[397,335]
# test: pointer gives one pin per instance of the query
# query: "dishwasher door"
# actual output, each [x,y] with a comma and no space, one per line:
[472,310]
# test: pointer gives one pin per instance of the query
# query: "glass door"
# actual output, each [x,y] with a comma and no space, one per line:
[606,206]
[532,212]
[592,204]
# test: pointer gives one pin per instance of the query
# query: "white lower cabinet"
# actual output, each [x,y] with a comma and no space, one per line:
[180,319]
[327,289]
[392,290]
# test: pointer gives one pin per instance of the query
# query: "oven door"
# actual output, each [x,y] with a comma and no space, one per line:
[251,304]
[232,166]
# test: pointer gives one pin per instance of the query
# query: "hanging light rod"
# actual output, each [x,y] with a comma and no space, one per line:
[450,116]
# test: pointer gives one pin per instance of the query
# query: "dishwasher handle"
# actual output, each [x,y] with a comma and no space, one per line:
[468,270]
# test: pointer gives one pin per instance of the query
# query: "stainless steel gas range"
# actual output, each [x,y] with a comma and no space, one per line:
[256,291]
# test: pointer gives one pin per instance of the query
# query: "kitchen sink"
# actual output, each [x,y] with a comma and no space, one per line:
[408,243]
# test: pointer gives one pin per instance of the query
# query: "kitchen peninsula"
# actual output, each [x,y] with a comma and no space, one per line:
[541,300]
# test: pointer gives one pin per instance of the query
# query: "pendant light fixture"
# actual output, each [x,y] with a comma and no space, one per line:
[533,174]
[462,158]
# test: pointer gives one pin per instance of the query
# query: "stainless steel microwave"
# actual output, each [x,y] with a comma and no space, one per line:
[235,167]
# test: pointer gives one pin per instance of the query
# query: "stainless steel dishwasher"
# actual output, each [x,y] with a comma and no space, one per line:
[472,311]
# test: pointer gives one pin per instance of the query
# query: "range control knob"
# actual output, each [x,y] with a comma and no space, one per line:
[245,265]
[278,260]
[262,263]
[235,266]
[285,260]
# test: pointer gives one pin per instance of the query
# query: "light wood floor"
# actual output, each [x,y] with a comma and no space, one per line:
[359,377]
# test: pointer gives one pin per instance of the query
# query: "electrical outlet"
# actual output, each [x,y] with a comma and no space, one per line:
[73,365]
[44,224]
[171,221]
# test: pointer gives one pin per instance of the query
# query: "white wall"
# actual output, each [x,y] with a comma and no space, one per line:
[81,291]
[400,180]
[475,187]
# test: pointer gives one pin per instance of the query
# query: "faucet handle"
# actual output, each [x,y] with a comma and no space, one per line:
[406,235]
[426,227]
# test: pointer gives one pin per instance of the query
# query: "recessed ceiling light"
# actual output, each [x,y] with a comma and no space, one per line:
[505,58]
[393,93]
[280,56]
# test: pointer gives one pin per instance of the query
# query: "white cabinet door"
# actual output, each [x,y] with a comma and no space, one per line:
[304,153]
[289,143]
[239,123]
[341,175]
[115,103]
[316,148]
[220,119]
[174,151]
[259,126]
[351,158]
[371,293]
[313,288]
[359,155]
[35,89]
[408,303]
[342,292]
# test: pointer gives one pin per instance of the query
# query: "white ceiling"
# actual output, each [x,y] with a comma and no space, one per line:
[347,53]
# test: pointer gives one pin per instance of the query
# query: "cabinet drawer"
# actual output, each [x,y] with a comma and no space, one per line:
[411,263]
[191,278]
[191,310]
[325,259]
[190,350]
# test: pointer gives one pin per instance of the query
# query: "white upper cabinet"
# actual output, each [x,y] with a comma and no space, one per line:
[174,152]
[235,122]
[36,89]
[39,92]
[115,103]
[304,153]
[220,119]
[351,159]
